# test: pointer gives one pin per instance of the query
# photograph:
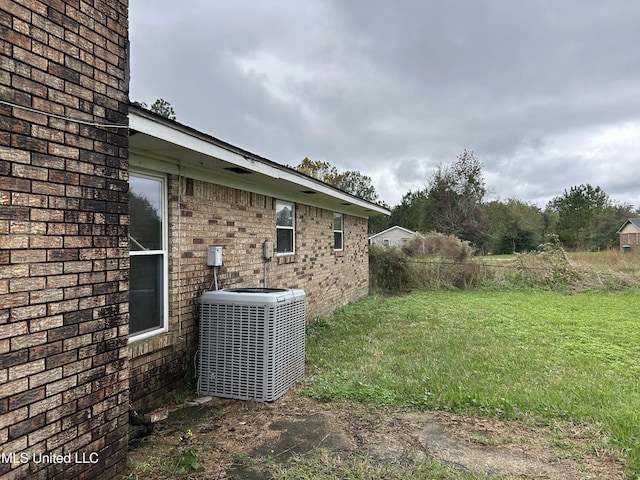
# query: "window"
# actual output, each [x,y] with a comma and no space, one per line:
[338,232]
[285,225]
[147,255]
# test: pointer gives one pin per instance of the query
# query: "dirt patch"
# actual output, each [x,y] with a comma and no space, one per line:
[240,440]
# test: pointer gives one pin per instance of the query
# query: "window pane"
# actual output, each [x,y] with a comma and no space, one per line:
[284,241]
[145,207]
[284,215]
[337,221]
[337,240]
[145,293]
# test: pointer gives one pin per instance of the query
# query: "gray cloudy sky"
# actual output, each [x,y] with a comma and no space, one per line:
[546,93]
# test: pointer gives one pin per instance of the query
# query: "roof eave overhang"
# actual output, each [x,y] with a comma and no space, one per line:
[157,143]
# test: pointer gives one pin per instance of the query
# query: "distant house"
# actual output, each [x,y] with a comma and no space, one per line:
[392,237]
[630,235]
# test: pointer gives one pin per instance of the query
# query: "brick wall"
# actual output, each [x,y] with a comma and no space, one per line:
[203,214]
[63,239]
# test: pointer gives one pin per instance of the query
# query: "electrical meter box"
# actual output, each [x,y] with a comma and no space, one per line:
[268,249]
[214,256]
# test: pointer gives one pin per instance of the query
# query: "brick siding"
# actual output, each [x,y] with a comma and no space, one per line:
[203,214]
[63,239]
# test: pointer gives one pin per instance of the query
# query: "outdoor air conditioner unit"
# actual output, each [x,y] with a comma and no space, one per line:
[252,342]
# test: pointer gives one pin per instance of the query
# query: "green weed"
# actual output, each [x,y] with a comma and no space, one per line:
[188,461]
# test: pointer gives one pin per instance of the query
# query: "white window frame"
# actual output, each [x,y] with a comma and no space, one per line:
[164,326]
[287,227]
[339,230]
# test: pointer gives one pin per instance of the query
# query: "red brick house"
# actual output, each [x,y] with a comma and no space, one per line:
[97,305]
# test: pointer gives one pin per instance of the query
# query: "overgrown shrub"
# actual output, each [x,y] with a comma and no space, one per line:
[548,266]
[434,243]
[388,269]
[444,274]
[433,261]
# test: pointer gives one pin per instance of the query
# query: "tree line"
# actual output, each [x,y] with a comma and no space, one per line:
[453,202]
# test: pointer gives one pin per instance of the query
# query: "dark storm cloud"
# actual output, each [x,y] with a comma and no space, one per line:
[545,93]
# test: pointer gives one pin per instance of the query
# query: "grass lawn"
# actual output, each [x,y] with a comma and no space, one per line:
[531,355]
